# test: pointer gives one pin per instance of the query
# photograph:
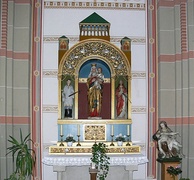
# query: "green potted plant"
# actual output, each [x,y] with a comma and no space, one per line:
[70,140]
[23,156]
[120,139]
[100,159]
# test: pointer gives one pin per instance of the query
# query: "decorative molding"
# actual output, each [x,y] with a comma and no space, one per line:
[84,80]
[54,74]
[50,108]
[54,109]
[138,110]
[152,75]
[37,4]
[138,75]
[98,5]
[151,40]
[66,160]
[88,150]
[36,145]
[50,73]
[91,48]
[151,7]
[37,39]
[36,108]
[152,109]
[136,40]
[4,22]
[36,73]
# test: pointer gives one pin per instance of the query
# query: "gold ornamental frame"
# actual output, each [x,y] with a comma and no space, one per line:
[86,50]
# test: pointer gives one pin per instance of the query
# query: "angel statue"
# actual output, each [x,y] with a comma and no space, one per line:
[168,146]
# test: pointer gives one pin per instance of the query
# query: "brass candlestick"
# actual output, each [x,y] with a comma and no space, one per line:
[61,144]
[128,144]
[112,144]
[78,141]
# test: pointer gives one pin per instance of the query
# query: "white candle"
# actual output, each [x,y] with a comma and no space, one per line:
[112,132]
[61,129]
[128,130]
[78,129]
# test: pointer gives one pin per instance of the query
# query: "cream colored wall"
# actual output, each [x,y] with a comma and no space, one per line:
[65,21]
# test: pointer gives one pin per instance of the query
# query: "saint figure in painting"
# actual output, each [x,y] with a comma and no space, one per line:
[121,100]
[67,98]
[95,87]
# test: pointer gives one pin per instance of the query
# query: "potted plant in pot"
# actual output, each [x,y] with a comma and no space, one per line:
[100,159]
[120,139]
[23,156]
[70,140]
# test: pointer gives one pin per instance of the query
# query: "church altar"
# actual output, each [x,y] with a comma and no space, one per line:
[94,104]
[60,163]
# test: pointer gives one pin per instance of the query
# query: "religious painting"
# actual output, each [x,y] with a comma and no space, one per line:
[126,46]
[62,45]
[121,98]
[95,90]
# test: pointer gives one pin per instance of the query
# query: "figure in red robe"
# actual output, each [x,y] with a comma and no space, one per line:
[121,100]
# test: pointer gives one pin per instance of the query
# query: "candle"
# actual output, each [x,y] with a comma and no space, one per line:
[78,129]
[128,130]
[112,132]
[61,129]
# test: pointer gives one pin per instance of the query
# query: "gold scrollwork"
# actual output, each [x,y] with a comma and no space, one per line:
[88,150]
[95,132]
[98,49]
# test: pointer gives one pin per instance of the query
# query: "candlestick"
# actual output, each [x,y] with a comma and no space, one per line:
[78,129]
[128,144]
[128,130]
[78,143]
[61,144]
[112,144]
[61,132]
[112,132]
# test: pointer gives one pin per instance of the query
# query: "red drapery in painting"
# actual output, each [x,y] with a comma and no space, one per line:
[83,103]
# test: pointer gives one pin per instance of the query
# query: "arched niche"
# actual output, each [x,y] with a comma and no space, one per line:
[78,59]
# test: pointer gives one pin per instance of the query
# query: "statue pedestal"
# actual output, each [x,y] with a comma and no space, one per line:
[164,165]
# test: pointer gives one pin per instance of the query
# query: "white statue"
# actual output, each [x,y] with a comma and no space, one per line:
[168,146]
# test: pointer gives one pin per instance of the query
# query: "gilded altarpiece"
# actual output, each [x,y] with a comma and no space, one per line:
[103,119]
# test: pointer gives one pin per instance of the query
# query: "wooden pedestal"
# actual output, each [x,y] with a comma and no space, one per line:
[164,174]
[93,173]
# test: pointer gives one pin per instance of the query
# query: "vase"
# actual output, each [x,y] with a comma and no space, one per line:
[69,143]
[119,143]
[93,165]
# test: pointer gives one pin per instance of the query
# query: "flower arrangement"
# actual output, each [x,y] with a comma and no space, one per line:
[69,138]
[174,171]
[120,137]
[101,160]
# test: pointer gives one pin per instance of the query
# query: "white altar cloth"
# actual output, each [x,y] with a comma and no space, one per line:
[81,160]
